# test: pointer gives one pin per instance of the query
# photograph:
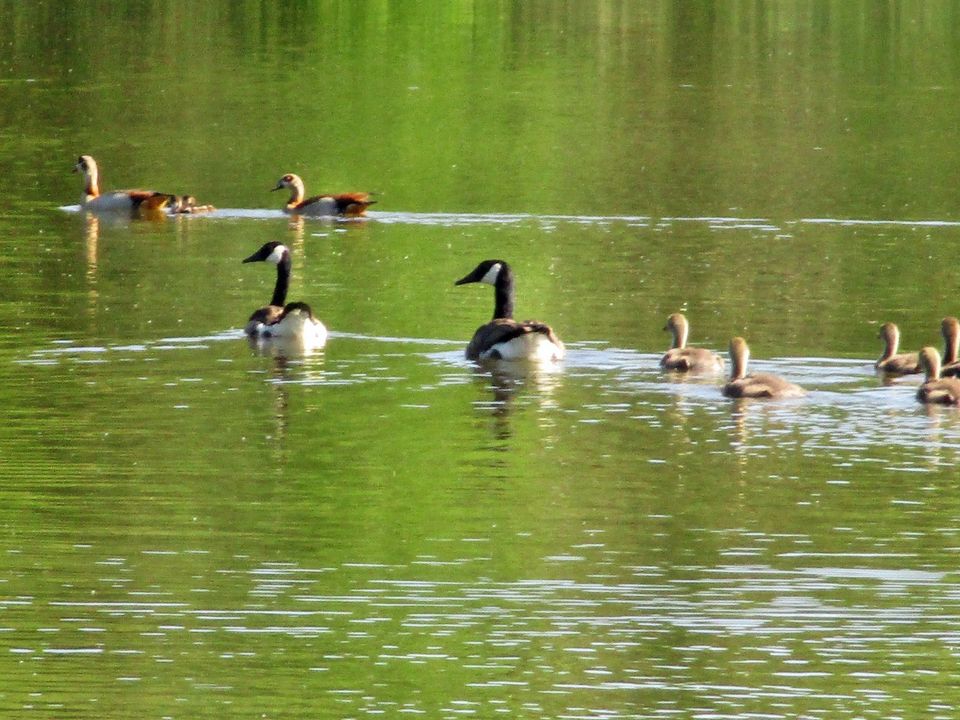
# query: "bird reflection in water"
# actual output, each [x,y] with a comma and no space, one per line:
[512,384]
[91,248]
[320,228]
[286,370]
[770,423]
[939,444]
[94,223]
[291,347]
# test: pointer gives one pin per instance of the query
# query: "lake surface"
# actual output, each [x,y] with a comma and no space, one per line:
[195,527]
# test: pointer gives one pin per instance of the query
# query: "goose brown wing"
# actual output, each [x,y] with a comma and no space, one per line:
[150,200]
[502,331]
[940,392]
[345,203]
[268,315]
[542,328]
[691,359]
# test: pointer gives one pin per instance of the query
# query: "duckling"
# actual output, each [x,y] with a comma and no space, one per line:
[118,200]
[890,362]
[936,390]
[504,338]
[950,329]
[293,320]
[687,359]
[187,204]
[755,385]
[353,204]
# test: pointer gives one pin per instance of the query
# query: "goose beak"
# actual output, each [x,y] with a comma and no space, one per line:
[252,258]
[278,187]
[464,280]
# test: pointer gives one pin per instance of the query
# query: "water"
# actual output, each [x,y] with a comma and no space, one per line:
[192,526]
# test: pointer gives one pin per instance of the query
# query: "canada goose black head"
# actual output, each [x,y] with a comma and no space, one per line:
[498,274]
[491,272]
[271,252]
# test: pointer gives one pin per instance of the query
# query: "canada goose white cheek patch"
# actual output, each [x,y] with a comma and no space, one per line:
[276,255]
[492,274]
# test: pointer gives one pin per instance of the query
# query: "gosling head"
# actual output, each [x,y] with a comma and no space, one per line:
[949,327]
[930,362]
[739,355]
[890,334]
[678,327]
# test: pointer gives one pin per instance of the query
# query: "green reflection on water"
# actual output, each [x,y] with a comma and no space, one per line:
[188,524]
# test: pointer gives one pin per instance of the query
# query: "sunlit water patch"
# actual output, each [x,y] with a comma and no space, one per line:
[778,229]
[882,222]
[847,410]
[588,625]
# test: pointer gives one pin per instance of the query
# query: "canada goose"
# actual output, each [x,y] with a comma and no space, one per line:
[504,338]
[937,390]
[293,320]
[343,205]
[687,359]
[118,200]
[755,385]
[890,362]
[187,204]
[950,329]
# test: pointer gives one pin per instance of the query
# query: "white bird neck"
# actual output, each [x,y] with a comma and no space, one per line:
[296,190]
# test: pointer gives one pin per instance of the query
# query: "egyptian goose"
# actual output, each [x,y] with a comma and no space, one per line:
[342,205]
[118,200]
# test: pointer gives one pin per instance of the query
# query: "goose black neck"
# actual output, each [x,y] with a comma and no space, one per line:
[283,281]
[503,294]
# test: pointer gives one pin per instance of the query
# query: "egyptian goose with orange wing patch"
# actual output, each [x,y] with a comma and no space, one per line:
[347,205]
[148,201]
